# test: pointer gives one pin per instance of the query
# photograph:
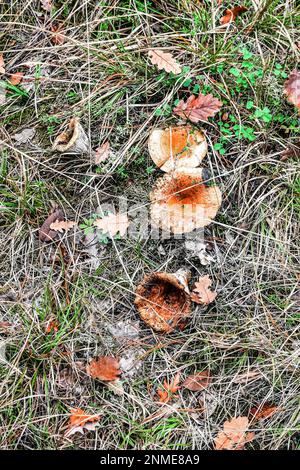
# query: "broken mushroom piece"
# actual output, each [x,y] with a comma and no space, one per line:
[163,300]
[74,140]
[175,147]
[182,201]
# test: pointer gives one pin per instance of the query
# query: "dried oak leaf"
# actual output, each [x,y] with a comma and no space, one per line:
[292,88]
[16,78]
[198,381]
[263,411]
[79,421]
[62,225]
[46,234]
[232,13]
[164,61]
[47,5]
[106,368]
[198,108]
[201,293]
[234,435]
[113,223]
[169,389]
[102,153]
[2,68]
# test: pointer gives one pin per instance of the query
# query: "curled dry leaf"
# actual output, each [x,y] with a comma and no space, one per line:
[198,108]
[201,293]
[162,301]
[231,14]
[46,234]
[113,223]
[164,61]
[198,381]
[16,78]
[292,88]
[175,147]
[79,421]
[106,368]
[62,225]
[169,388]
[102,153]
[263,411]
[2,68]
[234,435]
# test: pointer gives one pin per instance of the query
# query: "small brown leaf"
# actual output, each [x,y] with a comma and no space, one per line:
[2,68]
[57,37]
[198,381]
[201,293]
[292,88]
[169,389]
[264,411]
[47,5]
[79,421]
[16,78]
[198,109]
[230,15]
[102,153]
[52,326]
[164,61]
[112,224]
[234,435]
[106,368]
[46,234]
[62,225]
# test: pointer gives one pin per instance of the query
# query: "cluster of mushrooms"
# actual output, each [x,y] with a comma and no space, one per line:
[181,201]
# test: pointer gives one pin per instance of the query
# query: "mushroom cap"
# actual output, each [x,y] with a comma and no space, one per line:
[174,147]
[182,202]
[163,301]
[74,140]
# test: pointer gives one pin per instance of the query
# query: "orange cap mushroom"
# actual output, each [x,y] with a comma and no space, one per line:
[182,202]
[175,147]
[163,300]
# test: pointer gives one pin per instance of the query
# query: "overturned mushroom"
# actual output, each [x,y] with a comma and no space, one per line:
[74,140]
[182,201]
[176,147]
[163,300]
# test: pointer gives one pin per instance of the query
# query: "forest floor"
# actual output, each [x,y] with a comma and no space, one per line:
[68,301]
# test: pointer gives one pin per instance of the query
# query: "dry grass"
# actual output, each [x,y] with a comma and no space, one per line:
[249,338]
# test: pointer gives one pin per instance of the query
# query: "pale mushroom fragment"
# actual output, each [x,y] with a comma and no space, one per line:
[74,140]
[174,147]
[163,301]
[183,201]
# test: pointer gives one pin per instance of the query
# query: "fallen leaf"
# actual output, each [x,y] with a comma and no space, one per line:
[102,153]
[169,388]
[263,411]
[46,234]
[198,381]
[291,152]
[198,109]
[164,61]
[26,135]
[201,293]
[292,88]
[53,325]
[231,14]
[62,225]
[234,435]
[47,5]
[106,368]
[16,78]
[2,69]
[57,37]
[112,224]
[79,421]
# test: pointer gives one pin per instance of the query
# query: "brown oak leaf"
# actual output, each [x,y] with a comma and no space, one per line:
[2,68]
[234,435]
[102,153]
[292,88]
[198,109]
[46,234]
[106,368]
[232,13]
[16,78]
[62,225]
[164,61]
[113,223]
[198,381]
[169,388]
[263,411]
[201,293]
[79,421]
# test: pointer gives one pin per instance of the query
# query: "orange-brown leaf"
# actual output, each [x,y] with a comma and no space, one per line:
[234,435]
[113,223]
[2,68]
[231,14]
[16,78]
[102,153]
[264,411]
[201,293]
[47,234]
[62,225]
[57,37]
[198,109]
[292,88]
[169,388]
[198,381]
[79,421]
[106,368]
[164,61]
[53,325]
